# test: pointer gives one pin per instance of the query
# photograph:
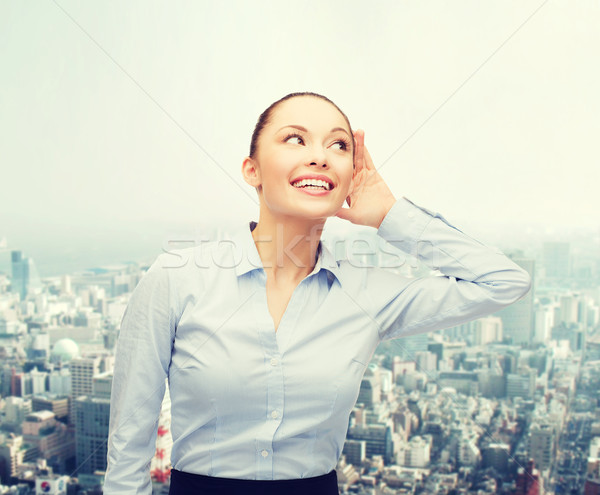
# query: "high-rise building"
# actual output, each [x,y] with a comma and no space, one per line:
[38,381]
[521,384]
[468,452]
[416,453]
[492,383]
[541,444]
[595,448]
[496,455]
[370,387]
[488,330]
[92,415]
[464,382]
[529,481]
[58,405]
[60,382]
[426,361]
[40,345]
[592,486]
[557,260]
[573,333]
[544,321]
[518,318]
[83,370]
[592,482]
[569,308]
[24,274]
[355,451]
[407,347]
[16,409]
[21,384]
[400,367]
[53,440]
[12,453]
[65,284]
[378,438]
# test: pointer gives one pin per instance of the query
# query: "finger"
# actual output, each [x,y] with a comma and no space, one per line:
[368,161]
[359,158]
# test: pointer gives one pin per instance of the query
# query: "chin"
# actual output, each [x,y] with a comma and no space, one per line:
[317,215]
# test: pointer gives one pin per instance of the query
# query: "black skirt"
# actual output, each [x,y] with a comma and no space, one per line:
[183,483]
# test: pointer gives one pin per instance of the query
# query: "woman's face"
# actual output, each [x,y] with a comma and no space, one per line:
[306,136]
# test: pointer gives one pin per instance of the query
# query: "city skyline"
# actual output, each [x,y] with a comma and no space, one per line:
[511,395]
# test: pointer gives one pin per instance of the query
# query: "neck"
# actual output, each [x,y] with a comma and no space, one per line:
[287,245]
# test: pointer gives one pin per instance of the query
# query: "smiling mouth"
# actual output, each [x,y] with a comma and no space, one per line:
[311,184]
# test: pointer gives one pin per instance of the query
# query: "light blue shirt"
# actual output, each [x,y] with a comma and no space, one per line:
[248,402]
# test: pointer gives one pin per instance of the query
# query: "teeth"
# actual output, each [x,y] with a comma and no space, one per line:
[312,182]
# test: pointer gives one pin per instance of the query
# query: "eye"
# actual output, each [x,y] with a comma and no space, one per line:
[293,135]
[343,143]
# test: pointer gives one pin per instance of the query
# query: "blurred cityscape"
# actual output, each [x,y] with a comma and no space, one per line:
[504,404]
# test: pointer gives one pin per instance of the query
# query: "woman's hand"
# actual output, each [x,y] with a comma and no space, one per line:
[369,198]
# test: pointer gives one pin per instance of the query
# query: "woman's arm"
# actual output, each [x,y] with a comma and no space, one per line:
[476,280]
[142,358]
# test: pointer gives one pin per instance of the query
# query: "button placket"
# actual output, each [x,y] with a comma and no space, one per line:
[291,315]
[275,389]
[264,461]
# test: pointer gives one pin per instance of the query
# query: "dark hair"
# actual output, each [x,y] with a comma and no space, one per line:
[265,118]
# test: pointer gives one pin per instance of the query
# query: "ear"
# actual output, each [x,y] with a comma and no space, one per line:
[251,172]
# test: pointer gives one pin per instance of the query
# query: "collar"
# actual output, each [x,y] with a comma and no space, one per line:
[243,243]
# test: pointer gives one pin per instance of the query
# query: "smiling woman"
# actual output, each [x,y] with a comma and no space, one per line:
[264,353]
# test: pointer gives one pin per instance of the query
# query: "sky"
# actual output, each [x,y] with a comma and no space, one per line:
[126,122]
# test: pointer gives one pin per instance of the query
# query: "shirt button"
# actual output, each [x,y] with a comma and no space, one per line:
[274,361]
[411,214]
[274,414]
[264,453]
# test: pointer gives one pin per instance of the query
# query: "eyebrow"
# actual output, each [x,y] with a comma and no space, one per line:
[299,127]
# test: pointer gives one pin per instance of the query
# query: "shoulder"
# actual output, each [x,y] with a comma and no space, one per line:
[192,268]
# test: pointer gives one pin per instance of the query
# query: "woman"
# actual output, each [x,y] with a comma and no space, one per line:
[265,339]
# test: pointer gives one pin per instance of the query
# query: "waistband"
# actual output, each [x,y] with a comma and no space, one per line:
[183,483]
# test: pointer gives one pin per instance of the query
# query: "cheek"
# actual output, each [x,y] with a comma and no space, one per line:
[348,176]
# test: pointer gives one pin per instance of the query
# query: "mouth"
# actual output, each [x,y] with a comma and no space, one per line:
[313,184]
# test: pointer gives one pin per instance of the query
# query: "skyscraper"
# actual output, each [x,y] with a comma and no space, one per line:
[557,259]
[83,370]
[518,318]
[529,481]
[92,417]
[24,274]
[408,347]
[541,444]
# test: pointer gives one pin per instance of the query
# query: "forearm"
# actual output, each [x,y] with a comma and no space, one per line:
[142,359]
[477,279]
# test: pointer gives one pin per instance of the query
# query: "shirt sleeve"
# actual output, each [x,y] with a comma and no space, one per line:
[142,357]
[476,280]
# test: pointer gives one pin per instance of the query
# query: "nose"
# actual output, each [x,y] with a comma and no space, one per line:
[319,158]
